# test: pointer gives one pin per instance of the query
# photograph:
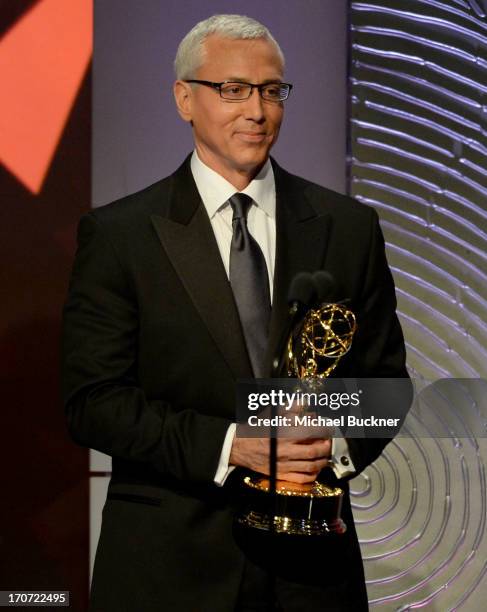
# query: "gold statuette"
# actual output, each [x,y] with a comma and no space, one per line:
[313,351]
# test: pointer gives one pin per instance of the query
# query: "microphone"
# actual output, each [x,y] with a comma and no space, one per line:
[302,293]
[324,284]
[305,291]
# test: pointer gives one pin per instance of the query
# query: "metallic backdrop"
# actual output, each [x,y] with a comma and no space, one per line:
[418,144]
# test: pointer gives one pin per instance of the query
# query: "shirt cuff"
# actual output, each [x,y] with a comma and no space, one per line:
[340,455]
[224,469]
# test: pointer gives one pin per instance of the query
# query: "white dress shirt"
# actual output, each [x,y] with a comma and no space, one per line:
[215,192]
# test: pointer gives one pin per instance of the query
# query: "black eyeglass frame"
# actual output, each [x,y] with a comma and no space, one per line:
[258,86]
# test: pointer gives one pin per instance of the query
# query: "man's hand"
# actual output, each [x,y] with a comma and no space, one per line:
[298,460]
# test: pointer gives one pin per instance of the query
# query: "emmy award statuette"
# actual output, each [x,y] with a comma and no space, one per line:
[314,349]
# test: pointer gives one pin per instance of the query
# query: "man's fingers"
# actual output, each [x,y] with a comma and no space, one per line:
[306,467]
[292,449]
[307,457]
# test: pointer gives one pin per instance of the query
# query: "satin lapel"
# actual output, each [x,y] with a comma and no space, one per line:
[301,241]
[188,239]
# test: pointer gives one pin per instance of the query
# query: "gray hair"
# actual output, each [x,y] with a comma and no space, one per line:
[190,54]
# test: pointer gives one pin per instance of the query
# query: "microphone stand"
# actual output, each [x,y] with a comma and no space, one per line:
[277,365]
[303,291]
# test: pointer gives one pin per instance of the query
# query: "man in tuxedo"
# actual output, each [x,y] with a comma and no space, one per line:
[176,293]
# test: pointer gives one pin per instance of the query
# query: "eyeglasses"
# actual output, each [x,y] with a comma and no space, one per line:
[236,92]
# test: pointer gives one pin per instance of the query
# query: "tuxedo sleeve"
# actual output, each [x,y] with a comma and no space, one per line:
[105,406]
[378,350]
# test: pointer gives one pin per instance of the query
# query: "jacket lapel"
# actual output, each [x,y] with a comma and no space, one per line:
[187,237]
[301,241]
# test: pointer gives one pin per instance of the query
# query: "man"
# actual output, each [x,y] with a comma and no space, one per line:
[170,304]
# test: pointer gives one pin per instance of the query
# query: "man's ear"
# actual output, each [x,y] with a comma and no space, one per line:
[183,94]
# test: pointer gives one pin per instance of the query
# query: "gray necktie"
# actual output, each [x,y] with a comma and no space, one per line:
[250,283]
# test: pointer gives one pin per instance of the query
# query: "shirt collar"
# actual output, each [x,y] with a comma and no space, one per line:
[215,190]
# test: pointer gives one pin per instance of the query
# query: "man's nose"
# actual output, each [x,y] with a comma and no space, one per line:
[254,108]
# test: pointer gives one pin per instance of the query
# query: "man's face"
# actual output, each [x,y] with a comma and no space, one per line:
[234,138]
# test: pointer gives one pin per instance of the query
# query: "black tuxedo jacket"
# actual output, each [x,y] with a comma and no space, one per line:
[152,349]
